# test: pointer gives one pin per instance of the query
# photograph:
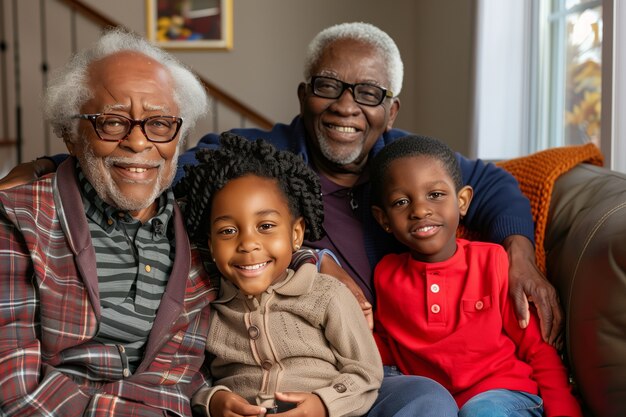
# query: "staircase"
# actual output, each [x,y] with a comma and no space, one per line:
[37,36]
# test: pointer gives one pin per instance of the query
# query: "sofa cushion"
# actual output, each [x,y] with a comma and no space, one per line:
[585,247]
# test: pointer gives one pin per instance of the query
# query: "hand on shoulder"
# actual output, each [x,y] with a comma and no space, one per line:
[26,172]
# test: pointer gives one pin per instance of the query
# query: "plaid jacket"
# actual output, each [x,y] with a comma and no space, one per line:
[50,309]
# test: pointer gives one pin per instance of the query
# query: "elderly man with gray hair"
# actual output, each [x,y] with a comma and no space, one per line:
[103,303]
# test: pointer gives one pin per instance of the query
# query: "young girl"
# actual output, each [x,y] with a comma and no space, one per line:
[443,309]
[274,329]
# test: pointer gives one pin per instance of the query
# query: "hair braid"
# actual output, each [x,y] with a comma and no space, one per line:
[236,157]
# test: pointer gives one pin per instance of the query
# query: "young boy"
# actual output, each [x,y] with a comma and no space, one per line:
[442,308]
[274,329]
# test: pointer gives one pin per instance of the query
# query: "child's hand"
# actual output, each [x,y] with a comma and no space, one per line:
[308,404]
[226,403]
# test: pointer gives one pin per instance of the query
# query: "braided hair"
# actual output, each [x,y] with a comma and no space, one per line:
[236,157]
[413,145]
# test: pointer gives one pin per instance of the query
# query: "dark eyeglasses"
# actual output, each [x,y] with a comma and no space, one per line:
[363,93]
[116,128]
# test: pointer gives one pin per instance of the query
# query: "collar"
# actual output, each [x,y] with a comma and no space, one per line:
[296,283]
[448,264]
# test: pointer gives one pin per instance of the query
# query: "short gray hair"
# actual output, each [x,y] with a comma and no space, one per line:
[69,88]
[364,32]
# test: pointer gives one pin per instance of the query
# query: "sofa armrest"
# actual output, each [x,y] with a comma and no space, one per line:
[585,247]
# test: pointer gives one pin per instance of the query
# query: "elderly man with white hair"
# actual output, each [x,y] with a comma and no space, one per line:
[103,303]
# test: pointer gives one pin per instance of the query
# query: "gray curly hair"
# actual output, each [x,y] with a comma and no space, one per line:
[364,32]
[69,89]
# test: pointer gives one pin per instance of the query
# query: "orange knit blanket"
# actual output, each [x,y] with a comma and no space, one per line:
[537,173]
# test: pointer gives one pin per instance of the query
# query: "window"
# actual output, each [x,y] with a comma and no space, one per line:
[501,127]
[550,73]
[567,95]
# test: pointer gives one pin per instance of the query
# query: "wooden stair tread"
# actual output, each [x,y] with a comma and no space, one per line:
[7,142]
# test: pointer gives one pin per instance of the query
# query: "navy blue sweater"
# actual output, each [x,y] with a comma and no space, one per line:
[498,208]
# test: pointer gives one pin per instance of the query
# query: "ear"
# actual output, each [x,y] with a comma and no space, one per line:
[464,197]
[297,234]
[393,112]
[381,217]
[69,144]
[301,96]
[210,245]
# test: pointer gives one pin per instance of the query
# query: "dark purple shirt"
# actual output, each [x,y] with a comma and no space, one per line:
[345,231]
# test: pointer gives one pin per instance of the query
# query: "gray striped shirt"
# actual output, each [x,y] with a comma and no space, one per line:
[134,261]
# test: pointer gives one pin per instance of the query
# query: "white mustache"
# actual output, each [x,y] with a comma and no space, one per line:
[109,161]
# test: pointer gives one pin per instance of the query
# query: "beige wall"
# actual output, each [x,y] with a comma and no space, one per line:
[265,65]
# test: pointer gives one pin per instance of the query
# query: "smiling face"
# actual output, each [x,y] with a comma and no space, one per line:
[341,131]
[130,174]
[421,207]
[253,233]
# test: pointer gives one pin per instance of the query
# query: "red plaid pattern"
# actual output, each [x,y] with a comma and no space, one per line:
[49,312]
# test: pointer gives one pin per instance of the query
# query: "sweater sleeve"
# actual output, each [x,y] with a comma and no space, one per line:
[547,368]
[354,390]
[201,400]
[498,209]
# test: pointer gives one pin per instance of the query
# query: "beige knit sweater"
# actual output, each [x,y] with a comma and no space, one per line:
[307,333]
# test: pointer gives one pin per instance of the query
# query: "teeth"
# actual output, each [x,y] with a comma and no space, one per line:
[139,170]
[344,129]
[253,267]
[425,229]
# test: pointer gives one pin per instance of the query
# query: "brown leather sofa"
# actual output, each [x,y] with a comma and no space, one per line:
[585,244]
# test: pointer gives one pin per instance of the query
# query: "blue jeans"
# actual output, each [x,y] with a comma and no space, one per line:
[412,396]
[503,403]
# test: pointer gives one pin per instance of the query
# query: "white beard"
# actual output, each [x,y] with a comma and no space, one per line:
[97,171]
[330,152]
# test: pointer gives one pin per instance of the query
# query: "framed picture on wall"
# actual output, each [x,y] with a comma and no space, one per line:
[190,24]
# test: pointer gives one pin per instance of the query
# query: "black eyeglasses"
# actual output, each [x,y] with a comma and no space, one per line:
[116,128]
[363,93]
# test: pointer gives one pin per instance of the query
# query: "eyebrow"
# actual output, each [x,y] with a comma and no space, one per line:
[429,185]
[330,74]
[123,107]
[437,182]
[258,213]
